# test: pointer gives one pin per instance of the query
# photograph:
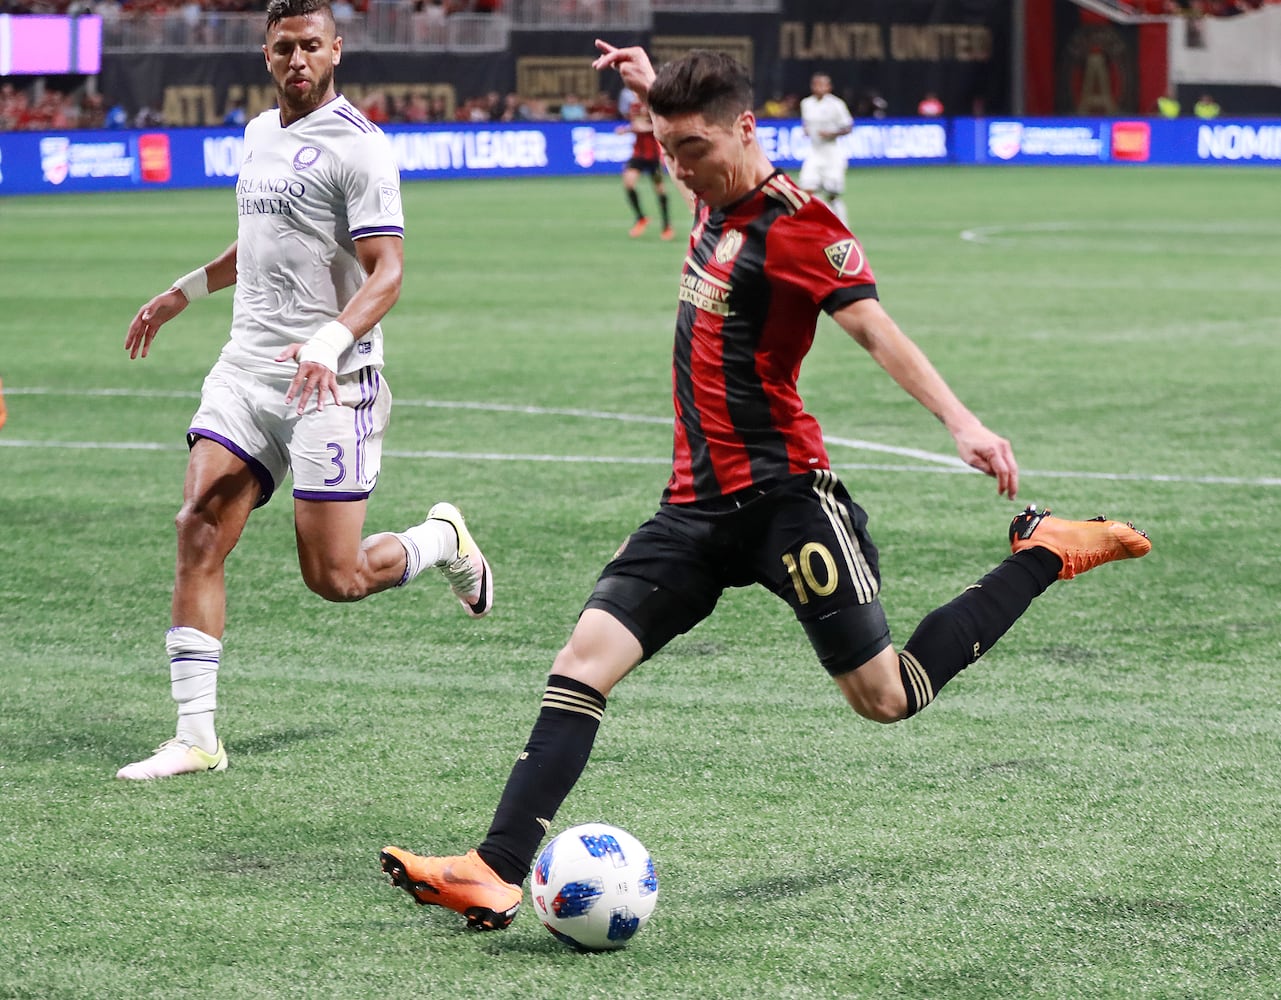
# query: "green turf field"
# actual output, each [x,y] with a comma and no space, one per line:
[1090,811]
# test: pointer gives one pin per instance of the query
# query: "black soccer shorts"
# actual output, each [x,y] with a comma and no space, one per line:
[646,166]
[804,539]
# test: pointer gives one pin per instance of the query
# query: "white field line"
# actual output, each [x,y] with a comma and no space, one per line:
[934,462]
[1157,236]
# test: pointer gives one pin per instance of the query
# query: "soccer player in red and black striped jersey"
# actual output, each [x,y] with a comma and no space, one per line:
[752,497]
[645,159]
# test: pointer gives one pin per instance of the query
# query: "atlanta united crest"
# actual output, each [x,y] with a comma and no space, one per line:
[846,256]
[729,246]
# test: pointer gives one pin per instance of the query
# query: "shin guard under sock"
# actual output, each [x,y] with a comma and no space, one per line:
[551,763]
[952,637]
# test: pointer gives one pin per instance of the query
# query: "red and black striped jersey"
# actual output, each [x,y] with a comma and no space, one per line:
[755,279]
[646,147]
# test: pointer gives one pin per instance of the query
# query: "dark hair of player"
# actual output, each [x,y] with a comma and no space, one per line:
[278,10]
[712,84]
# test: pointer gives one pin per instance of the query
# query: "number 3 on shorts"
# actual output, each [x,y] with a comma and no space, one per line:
[336,460]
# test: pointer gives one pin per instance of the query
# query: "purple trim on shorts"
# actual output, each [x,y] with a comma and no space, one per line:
[370,385]
[362,416]
[265,483]
[336,497]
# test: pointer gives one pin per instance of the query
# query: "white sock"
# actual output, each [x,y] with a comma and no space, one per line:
[193,681]
[428,544]
[838,206]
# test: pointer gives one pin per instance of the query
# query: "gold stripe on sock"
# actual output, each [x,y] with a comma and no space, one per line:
[573,701]
[921,686]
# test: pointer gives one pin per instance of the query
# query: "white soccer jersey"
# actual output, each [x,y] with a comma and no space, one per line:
[306,194]
[824,114]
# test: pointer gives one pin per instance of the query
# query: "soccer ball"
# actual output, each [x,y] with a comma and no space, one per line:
[594,886]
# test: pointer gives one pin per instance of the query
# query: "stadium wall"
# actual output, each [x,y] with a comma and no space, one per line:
[895,49]
[46,163]
[1080,62]
[1236,59]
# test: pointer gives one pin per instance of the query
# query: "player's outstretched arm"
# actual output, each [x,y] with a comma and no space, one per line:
[874,330]
[217,274]
[632,63]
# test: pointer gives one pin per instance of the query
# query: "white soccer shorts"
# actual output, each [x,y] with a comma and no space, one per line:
[824,170]
[334,453]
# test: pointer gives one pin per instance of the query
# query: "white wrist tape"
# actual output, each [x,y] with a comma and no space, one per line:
[326,344]
[194,284]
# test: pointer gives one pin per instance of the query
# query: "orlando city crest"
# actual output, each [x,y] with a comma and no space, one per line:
[846,256]
[306,156]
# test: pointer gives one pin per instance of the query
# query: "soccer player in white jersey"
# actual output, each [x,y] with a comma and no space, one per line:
[298,388]
[826,118]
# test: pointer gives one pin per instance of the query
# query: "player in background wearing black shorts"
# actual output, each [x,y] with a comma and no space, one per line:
[646,159]
[752,498]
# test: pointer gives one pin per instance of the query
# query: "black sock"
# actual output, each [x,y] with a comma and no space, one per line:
[662,206]
[554,757]
[952,637]
[633,199]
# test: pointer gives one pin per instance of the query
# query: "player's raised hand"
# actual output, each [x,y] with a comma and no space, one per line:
[632,63]
[148,320]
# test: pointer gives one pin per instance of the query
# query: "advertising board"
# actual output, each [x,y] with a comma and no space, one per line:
[51,162]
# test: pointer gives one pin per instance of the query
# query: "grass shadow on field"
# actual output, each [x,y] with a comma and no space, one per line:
[797,883]
[35,746]
[274,741]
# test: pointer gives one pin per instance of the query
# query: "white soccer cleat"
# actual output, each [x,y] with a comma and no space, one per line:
[468,575]
[175,757]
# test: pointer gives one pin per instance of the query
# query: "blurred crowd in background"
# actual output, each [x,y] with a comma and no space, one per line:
[347,8]
[54,110]
[1196,8]
[342,8]
[59,104]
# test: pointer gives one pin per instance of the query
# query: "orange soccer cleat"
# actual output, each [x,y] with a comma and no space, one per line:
[639,228]
[464,884]
[668,233]
[1082,545]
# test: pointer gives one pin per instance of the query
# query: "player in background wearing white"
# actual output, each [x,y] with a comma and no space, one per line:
[825,118]
[298,388]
